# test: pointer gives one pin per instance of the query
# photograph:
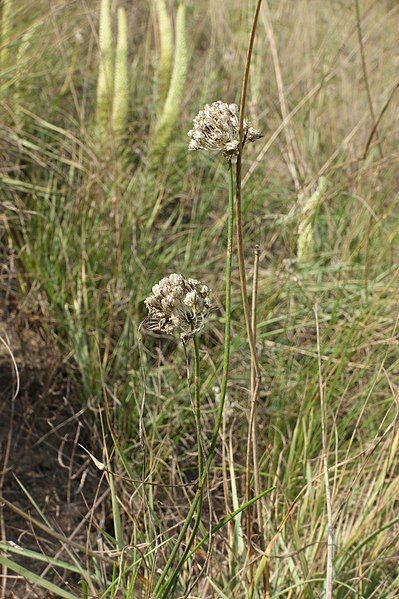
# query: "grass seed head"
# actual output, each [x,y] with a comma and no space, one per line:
[172,107]
[216,128]
[178,304]
[120,108]
[106,69]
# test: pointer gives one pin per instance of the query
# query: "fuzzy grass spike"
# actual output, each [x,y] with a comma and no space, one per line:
[121,79]
[166,50]
[22,63]
[105,74]
[171,109]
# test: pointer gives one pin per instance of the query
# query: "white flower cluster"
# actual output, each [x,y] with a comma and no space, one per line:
[216,127]
[178,303]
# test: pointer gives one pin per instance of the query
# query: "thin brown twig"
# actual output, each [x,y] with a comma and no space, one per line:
[239,232]
[364,69]
[252,421]
[242,272]
[253,307]
[377,122]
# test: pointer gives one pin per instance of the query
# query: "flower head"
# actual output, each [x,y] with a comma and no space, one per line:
[216,127]
[178,304]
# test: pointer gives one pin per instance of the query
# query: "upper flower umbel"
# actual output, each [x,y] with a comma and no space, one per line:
[178,303]
[216,128]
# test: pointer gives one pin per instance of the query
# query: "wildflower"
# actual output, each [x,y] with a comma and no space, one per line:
[178,304]
[216,127]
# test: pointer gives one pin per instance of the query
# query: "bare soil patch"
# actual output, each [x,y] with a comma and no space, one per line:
[40,432]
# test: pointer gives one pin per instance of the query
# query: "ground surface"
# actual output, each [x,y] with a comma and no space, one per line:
[39,434]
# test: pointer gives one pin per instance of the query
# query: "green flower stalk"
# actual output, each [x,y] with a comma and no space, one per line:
[165,584]
[166,51]
[305,244]
[171,109]
[105,74]
[183,306]
[120,106]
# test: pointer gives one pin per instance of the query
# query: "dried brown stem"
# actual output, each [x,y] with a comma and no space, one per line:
[364,69]
[256,376]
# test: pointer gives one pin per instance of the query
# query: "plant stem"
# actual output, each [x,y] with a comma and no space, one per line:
[255,369]
[231,517]
[365,76]
[197,404]
[252,415]
[330,528]
[198,504]
[162,589]
[239,233]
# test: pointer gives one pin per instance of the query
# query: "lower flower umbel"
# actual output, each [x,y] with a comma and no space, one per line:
[178,304]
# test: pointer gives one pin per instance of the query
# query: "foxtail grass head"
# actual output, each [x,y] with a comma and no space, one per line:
[178,304]
[172,106]
[106,69]
[216,128]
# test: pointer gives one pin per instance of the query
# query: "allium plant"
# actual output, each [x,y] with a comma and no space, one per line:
[216,128]
[182,306]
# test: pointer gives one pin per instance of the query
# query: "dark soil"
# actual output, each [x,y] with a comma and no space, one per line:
[40,432]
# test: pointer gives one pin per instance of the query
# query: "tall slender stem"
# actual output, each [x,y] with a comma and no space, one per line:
[252,415]
[198,503]
[330,528]
[197,405]
[163,588]
[239,233]
[255,368]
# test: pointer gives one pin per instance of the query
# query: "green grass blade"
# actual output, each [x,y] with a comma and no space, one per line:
[35,579]
[41,557]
